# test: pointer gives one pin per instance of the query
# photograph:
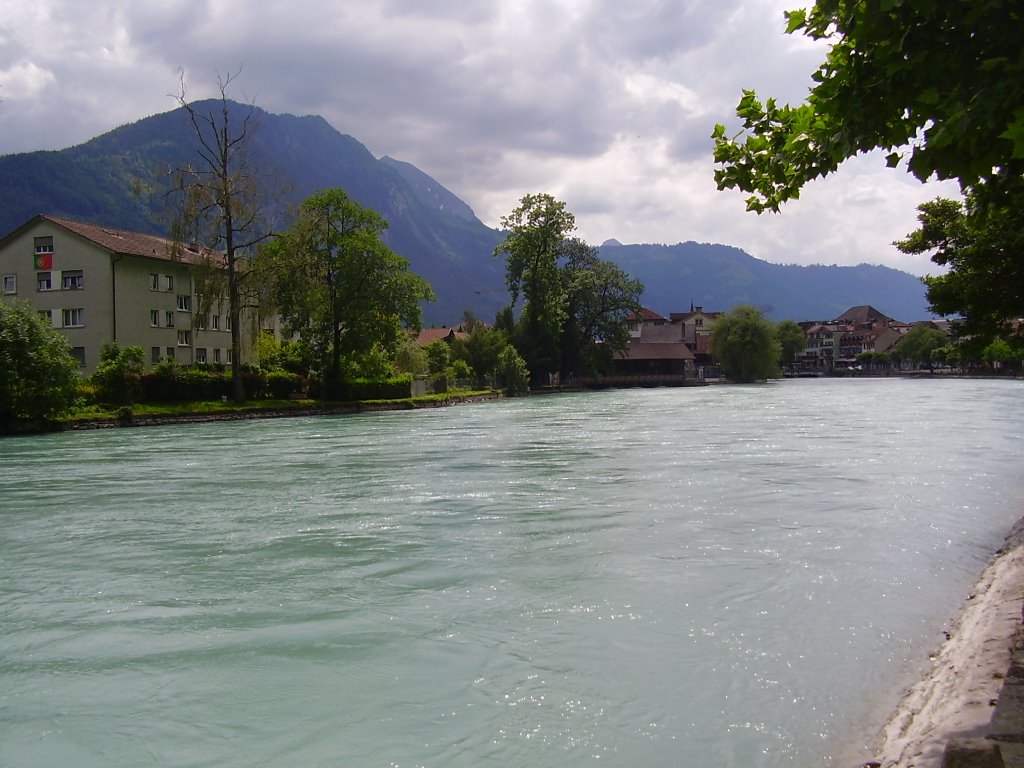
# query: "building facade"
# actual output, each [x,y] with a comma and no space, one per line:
[99,283]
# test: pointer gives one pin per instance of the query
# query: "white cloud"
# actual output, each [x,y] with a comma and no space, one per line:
[25,81]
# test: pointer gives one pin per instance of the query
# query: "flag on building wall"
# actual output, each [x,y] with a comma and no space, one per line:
[44,261]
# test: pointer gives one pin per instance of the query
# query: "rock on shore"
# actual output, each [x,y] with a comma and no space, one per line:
[957,700]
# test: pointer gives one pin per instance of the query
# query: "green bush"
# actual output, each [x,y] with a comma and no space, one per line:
[117,377]
[512,371]
[281,384]
[198,384]
[397,388]
[39,377]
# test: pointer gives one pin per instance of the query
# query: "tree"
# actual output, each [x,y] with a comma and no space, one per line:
[920,343]
[534,234]
[410,357]
[575,303]
[1000,352]
[339,287]
[792,341]
[39,377]
[512,371]
[744,344]
[981,241]
[222,202]
[481,351]
[118,376]
[944,81]
[599,296]
[439,357]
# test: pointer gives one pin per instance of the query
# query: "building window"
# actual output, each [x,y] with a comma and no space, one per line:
[184,338]
[154,355]
[71,279]
[169,282]
[228,355]
[169,353]
[10,283]
[169,318]
[227,322]
[184,302]
[216,355]
[79,354]
[47,315]
[699,322]
[215,322]
[44,252]
[43,281]
[154,318]
[74,318]
[201,355]
[201,322]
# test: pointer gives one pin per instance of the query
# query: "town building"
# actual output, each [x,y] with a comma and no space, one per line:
[99,283]
[657,348]
[837,343]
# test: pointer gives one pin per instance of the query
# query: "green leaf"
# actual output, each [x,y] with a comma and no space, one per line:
[795,20]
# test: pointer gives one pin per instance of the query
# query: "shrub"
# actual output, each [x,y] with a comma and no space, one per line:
[117,376]
[39,377]
[512,371]
[397,388]
[281,384]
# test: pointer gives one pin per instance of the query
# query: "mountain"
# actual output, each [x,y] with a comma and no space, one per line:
[117,179]
[718,277]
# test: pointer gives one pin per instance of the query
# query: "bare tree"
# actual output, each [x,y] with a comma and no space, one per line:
[221,201]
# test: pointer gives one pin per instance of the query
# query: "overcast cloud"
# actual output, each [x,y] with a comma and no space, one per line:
[604,104]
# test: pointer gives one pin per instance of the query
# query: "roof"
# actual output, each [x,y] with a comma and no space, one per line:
[125,242]
[662,334]
[862,314]
[645,314]
[641,350]
[430,335]
[698,312]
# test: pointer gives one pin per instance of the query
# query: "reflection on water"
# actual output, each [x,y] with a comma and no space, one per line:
[734,576]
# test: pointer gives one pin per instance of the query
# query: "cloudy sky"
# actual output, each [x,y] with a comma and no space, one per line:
[605,104]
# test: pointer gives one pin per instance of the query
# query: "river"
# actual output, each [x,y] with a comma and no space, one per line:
[717,576]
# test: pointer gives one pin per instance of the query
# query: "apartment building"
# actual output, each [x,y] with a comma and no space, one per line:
[96,283]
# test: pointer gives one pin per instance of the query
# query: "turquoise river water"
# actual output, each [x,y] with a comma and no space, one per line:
[718,576]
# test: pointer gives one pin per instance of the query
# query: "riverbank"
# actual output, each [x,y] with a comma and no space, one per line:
[971,696]
[243,413]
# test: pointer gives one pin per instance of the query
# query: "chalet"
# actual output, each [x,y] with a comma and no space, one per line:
[428,336]
[657,347]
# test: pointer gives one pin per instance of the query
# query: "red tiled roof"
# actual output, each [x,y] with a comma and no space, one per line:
[863,314]
[640,350]
[430,335]
[645,314]
[123,241]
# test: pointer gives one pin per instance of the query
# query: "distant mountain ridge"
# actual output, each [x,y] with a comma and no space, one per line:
[114,179]
[718,277]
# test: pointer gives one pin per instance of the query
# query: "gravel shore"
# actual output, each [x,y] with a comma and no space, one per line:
[965,687]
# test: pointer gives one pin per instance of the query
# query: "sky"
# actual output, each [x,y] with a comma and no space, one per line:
[607,105]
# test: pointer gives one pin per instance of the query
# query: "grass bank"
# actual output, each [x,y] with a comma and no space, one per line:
[144,414]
